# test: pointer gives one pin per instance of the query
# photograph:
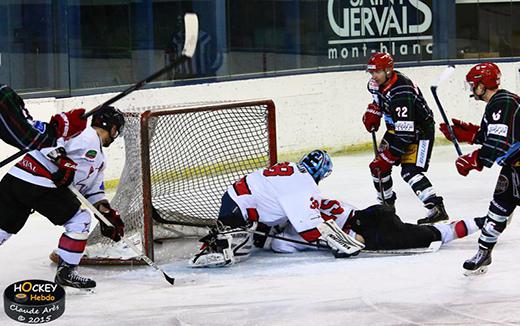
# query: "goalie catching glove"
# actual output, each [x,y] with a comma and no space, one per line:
[341,243]
[116,231]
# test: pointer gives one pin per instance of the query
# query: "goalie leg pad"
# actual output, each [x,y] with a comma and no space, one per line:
[215,252]
[242,242]
[338,240]
[225,247]
[4,236]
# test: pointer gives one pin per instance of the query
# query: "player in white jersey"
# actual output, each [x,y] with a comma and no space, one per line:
[284,192]
[378,228]
[39,183]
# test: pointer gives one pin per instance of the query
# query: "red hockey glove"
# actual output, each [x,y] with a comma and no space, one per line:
[66,168]
[69,124]
[464,131]
[372,117]
[468,162]
[118,230]
[383,163]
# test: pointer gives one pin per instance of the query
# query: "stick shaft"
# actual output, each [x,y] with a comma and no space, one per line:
[381,190]
[445,119]
[104,220]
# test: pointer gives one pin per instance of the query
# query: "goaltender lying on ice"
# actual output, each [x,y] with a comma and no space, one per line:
[283,201]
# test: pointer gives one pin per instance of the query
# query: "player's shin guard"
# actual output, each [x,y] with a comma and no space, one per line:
[459,229]
[493,227]
[71,246]
[387,182]
[73,241]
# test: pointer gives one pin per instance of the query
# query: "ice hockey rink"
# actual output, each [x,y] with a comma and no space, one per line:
[310,288]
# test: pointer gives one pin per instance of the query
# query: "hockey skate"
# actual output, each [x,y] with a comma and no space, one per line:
[436,214]
[67,276]
[479,263]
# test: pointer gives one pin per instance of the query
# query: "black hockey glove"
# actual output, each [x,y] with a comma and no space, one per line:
[66,168]
[116,231]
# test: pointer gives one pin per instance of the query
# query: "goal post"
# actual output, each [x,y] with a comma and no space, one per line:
[179,161]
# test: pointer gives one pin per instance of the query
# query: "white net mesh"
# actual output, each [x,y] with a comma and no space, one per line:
[190,158]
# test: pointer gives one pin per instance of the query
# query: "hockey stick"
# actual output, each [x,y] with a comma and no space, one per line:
[381,190]
[433,247]
[191,25]
[443,76]
[102,219]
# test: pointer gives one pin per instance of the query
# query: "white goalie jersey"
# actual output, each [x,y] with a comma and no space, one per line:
[281,193]
[85,150]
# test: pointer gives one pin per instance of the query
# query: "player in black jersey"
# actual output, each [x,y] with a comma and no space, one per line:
[409,137]
[496,133]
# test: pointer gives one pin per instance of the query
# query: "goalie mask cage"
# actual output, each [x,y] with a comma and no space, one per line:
[179,161]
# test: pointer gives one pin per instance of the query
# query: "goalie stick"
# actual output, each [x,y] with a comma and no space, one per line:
[102,219]
[433,247]
[191,28]
[443,76]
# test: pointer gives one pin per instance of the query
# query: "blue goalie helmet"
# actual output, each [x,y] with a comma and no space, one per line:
[318,164]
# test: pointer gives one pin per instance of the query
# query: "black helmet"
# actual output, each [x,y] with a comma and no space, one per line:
[107,117]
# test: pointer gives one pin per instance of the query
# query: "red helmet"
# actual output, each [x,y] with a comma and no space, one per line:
[380,61]
[486,73]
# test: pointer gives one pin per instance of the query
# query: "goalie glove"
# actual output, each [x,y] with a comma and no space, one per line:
[341,243]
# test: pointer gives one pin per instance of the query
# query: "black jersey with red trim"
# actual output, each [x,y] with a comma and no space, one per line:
[499,127]
[406,112]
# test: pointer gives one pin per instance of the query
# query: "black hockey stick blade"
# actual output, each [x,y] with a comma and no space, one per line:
[191,31]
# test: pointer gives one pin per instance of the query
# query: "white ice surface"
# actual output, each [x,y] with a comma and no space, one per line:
[310,288]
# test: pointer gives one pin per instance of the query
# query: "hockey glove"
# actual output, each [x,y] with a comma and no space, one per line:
[69,124]
[66,168]
[468,162]
[372,117]
[464,131]
[116,231]
[382,164]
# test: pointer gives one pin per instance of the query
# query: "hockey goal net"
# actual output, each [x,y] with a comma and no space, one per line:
[179,161]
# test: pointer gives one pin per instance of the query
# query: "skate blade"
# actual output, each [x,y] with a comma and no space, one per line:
[76,291]
[478,271]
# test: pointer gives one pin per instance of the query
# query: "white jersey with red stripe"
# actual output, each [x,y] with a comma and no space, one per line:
[85,150]
[281,193]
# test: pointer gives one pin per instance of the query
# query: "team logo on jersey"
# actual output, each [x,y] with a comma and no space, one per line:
[502,184]
[40,126]
[496,115]
[498,129]
[406,126]
[91,154]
